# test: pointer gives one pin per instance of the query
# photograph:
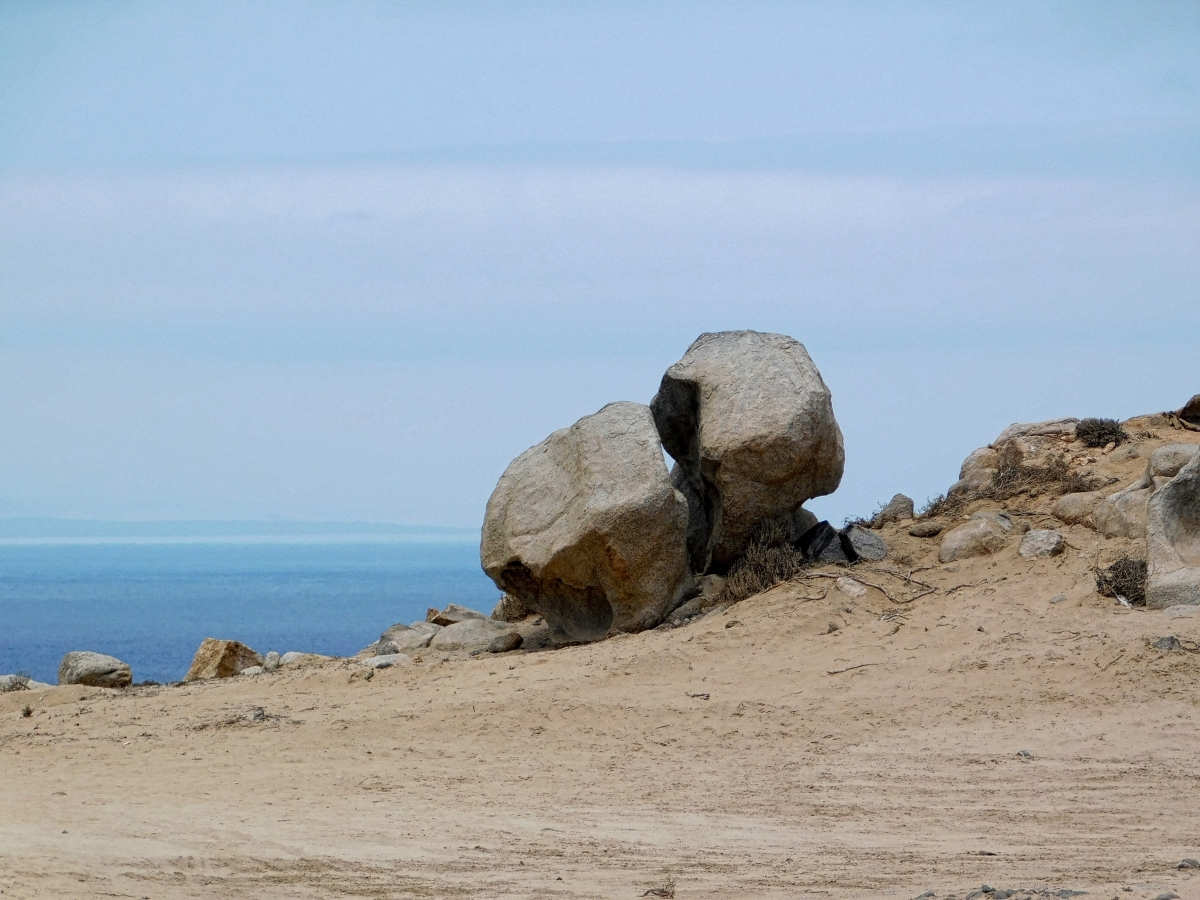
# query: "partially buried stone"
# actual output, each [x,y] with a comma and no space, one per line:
[1189,863]
[898,509]
[1041,543]
[505,643]
[1168,643]
[986,533]
[271,662]
[925,530]
[867,546]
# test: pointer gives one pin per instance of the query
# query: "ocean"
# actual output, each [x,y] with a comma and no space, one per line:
[152,603]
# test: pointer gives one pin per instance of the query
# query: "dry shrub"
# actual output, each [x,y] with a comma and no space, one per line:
[19,682]
[769,560]
[1013,477]
[1124,578]
[1100,432]
[26,711]
[665,890]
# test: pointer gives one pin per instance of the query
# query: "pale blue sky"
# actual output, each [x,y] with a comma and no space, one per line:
[345,260]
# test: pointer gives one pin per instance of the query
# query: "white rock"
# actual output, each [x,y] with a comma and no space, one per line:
[850,587]
[387,661]
[253,670]
[1041,543]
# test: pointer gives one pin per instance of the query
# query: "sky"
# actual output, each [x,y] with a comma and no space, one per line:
[345,261]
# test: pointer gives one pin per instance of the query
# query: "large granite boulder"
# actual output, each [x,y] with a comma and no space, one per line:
[586,528]
[1173,540]
[1076,508]
[221,659]
[750,424]
[94,670]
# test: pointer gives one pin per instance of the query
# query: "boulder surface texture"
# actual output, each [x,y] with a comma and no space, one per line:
[1173,540]
[986,533]
[1123,514]
[586,529]
[94,670]
[476,635]
[221,659]
[750,425]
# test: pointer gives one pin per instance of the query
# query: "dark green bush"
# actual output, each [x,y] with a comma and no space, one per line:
[1100,432]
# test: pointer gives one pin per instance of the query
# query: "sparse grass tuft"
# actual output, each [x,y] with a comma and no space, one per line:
[1100,432]
[26,711]
[665,890]
[18,682]
[769,560]
[1124,578]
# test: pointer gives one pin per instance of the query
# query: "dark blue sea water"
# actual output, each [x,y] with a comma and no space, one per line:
[151,604]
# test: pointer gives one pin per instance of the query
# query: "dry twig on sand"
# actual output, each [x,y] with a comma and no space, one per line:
[850,668]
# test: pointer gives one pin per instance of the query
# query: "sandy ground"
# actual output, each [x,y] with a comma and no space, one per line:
[754,753]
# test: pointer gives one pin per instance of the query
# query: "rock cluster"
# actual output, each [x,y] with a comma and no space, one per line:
[589,530]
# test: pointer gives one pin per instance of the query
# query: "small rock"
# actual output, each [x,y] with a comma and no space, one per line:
[1025,754]
[94,670]
[1073,509]
[511,609]
[1058,598]
[1182,611]
[898,509]
[20,683]
[851,588]
[866,544]
[381,647]
[257,714]
[1042,543]
[925,530]
[1167,895]
[982,536]
[505,643]
[295,657]
[386,662]
[1189,863]
[221,659]
[1168,643]
[271,662]
[475,635]
[253,670]
[451,615]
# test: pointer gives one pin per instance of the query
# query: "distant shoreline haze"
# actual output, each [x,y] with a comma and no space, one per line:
[54,530]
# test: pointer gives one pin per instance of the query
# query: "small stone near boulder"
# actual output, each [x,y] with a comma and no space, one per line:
[1173,541]
[824,544]
[94,670]
[1076,508]
[505,643]
[451,615]
[898,509]
[1168,643]
[253,670]
[1041,543]
[405,639]
[470,634]
[386,661]
[511,609]
[221,659]
[298,658]
[850,587]
[271,662]
[985,534]
[925,530]
[1123,514]
[379,648]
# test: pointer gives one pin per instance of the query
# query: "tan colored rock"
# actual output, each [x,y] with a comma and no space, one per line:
[1123,514]
[587,529]
[221,659]
[1063,428]
[452,614]
[472,635]
[898,509]
[406,639]
[1076,508]
[986,533]
[1041,543]
[984,459]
